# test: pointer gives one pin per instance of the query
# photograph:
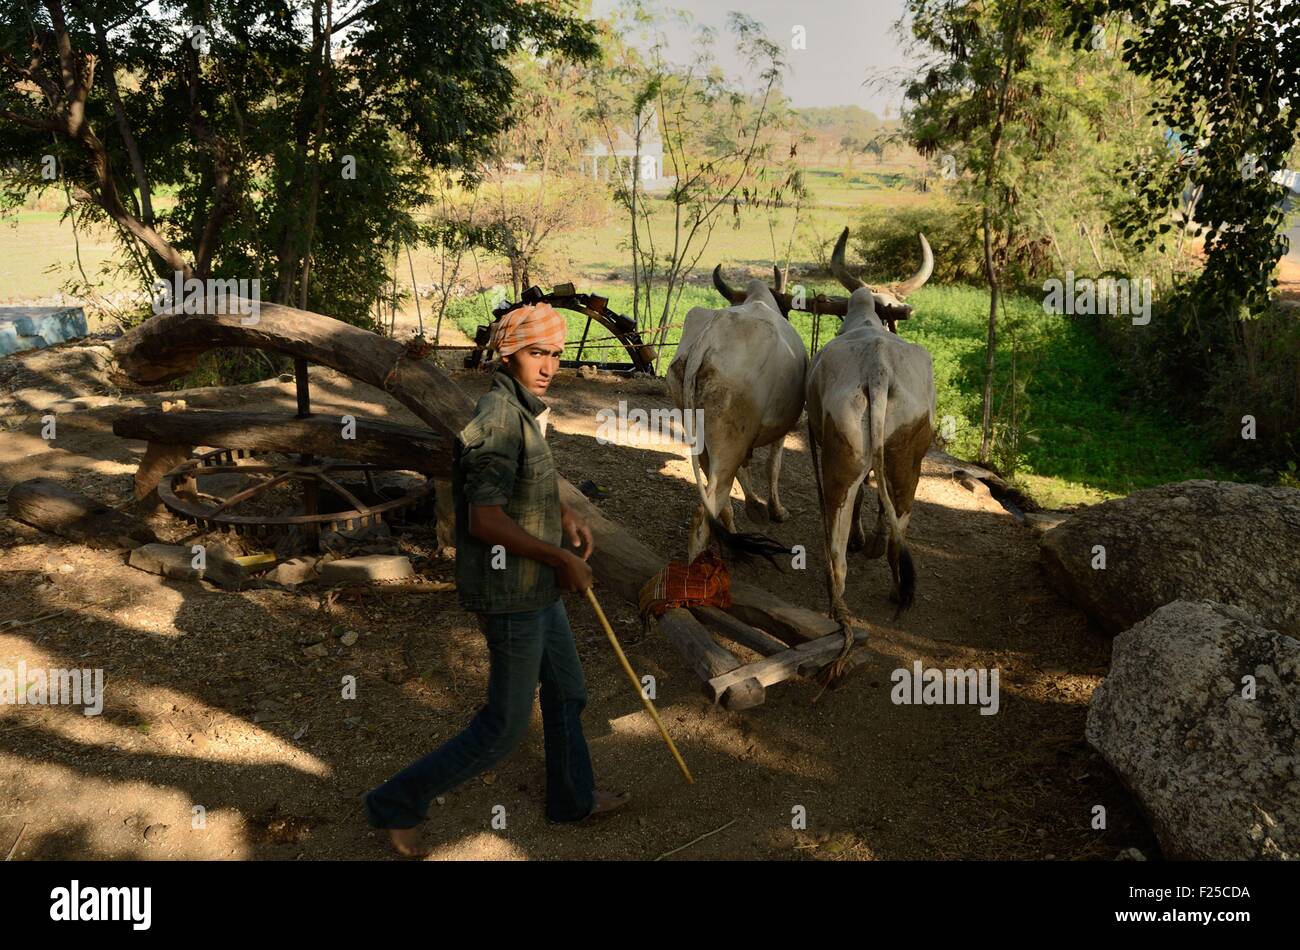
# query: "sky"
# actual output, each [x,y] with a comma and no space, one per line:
[847,42]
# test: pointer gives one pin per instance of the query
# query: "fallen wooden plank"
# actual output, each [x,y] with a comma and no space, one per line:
[739,631]
[704,654]
[761,608]
[45,504]
[376,442]
[796,661]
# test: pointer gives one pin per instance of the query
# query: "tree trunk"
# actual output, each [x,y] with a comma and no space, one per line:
[995,145]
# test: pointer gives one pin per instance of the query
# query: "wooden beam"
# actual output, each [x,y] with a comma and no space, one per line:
[159,459]
[377,442]
[705,655]
[761,608]
[45,504]
[798,661]
[739,631]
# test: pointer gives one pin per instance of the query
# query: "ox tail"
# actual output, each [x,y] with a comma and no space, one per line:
[815,452]
[743,543]
[900,559]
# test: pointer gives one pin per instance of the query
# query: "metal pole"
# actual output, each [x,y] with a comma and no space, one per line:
[584,337]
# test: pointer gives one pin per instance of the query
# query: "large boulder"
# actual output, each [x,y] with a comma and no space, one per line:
[1221,541]
[1217,772]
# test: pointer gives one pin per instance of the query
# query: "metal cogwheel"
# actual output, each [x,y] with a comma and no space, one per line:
[181,491]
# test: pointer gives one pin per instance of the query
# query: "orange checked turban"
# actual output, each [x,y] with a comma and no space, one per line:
[527,326]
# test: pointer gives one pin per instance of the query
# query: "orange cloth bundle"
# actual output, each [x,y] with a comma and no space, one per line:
[526,326]
[705,582]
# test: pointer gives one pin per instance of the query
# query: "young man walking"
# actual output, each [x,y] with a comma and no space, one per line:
[510,570]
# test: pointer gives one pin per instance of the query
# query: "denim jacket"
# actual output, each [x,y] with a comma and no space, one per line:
[501,458]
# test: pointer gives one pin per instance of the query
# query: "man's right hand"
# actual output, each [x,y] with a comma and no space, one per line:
[572,572]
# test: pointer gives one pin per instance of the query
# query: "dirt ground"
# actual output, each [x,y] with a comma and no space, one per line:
[211,701]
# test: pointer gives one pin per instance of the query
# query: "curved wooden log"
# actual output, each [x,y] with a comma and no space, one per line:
[168,345]
[48,505]
[375,441]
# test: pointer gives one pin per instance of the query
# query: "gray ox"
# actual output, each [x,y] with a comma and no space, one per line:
[870,408]
[745,366]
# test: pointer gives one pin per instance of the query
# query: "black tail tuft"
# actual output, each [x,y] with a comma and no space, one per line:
[906,579]
[748,543]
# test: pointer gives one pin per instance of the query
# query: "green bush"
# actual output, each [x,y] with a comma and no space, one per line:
[1210,369]
[883,245]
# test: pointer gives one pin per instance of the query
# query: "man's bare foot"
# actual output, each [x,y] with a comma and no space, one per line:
[406,842]
[603,804]
[607,802]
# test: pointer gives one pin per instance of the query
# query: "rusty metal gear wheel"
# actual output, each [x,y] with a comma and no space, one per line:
[181,490]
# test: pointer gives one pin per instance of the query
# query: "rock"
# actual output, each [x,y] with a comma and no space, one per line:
[1130,854]
[295,571]
[367,570]
[350,638]
[1222,541]
[57,564]
[1217,773]
[24,328]
[1044,521]
[972,484]
[316,651]
[177,562]
[588,372]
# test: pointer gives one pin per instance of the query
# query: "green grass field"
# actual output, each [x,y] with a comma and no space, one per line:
[1079,441]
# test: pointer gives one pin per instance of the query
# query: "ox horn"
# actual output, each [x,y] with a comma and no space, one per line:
[841,272]
[917,280]
[728,293]
[778,279]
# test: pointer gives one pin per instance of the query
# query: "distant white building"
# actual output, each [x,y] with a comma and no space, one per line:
[603,164]
[1291,180]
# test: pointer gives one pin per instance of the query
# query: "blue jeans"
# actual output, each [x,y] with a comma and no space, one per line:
[525,647]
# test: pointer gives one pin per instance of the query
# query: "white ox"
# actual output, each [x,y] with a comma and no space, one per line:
[871,405]
[745,367]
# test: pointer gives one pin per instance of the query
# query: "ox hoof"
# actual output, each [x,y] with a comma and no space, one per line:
[896,598]
[777,513]
[756,512]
